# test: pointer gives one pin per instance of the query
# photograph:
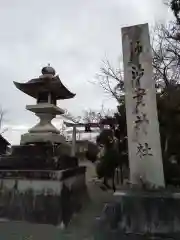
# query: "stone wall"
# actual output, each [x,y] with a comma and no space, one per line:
[140,215]
[50,201]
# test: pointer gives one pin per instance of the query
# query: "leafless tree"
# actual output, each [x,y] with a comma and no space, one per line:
[95,116]
[174,5]
[111,80]
[69,116]
[166,55]
[166,61]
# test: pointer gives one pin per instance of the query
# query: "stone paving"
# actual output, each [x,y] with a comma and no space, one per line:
[82,226]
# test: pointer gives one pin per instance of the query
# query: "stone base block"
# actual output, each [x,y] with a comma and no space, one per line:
[140,215]
[46,201]
[42,137]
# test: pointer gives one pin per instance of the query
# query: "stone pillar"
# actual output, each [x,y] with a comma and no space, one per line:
[73,150]
[49,98]
[145,158]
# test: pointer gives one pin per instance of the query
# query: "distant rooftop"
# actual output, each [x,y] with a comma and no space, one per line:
[4,141]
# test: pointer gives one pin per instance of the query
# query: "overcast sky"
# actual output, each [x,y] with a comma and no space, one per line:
[74,36]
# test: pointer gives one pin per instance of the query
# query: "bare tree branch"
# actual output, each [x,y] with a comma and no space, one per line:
[166,55]
[94,116]
[111,80]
